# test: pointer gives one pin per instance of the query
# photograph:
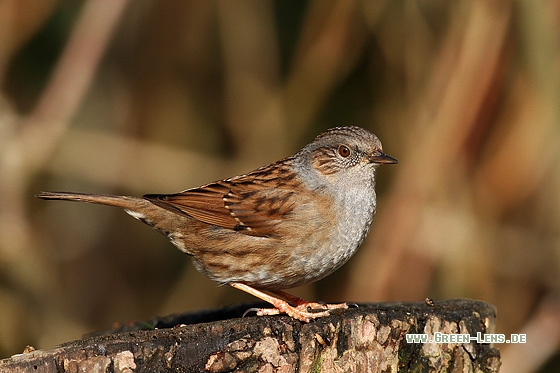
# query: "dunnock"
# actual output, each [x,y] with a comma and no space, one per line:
[283,225]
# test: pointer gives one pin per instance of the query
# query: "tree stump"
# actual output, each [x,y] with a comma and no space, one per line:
[368,338]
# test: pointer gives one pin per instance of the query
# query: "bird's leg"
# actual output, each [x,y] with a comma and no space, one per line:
[300,312]
[302,303]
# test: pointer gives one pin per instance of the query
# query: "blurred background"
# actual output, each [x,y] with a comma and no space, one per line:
[124,97]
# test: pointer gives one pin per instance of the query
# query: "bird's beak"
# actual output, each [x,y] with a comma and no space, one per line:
[380,157]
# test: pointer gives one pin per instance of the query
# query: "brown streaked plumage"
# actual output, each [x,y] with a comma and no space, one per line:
[280,226]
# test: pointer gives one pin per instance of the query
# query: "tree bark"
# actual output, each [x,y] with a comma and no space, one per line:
[368,338]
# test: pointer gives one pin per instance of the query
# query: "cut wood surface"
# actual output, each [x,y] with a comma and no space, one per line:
[366,338]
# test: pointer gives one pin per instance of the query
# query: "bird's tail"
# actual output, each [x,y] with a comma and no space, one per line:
[127,203]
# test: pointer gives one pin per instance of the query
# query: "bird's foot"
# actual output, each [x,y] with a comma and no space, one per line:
[302,310]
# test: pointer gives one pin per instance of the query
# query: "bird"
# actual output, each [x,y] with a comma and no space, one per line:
[283,225]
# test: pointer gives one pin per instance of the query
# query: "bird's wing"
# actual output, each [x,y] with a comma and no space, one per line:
[253,204]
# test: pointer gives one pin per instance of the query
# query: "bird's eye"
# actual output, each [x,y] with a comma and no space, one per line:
[344,151]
